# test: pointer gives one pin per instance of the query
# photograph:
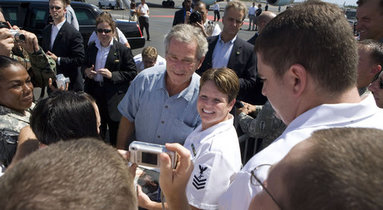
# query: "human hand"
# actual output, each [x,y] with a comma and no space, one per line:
[25,134]
[6,42]
[52,55]
[247,108]
[31,43]
[187,17]
[105,73]
[143,199]
[173,181]
[53,88]
[90,72]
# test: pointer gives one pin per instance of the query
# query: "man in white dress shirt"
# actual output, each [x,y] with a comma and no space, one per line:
[309,77]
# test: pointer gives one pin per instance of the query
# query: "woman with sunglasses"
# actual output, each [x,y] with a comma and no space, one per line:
[376,87]
[108,69]
[119,36]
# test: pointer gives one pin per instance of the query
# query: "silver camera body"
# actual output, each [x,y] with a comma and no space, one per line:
[17,35]
[61,81]
[148,154]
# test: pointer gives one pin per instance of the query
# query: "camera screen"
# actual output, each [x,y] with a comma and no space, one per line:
[149,158]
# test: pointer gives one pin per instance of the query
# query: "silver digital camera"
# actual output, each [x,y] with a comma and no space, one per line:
[147,154]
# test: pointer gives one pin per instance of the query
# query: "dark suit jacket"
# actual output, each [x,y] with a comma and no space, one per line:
[68,45]
[242,60]
[179,17]
[120,62]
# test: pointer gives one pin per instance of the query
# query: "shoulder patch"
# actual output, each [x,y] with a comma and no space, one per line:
[199,182]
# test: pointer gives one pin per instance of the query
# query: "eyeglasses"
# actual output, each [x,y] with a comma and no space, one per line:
[106,31]
[254,180]
[54,7]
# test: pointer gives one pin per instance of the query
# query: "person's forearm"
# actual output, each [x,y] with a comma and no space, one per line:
[181,202]
[125,132]
[154,206]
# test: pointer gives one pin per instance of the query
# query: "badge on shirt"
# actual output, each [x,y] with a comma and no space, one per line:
[199,181]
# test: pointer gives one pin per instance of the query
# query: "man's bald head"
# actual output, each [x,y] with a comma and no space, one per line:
[263,19]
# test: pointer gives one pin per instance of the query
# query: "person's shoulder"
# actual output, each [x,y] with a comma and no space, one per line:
[212,39]
[47,27]
[70,30]
[152,73]
[244,44]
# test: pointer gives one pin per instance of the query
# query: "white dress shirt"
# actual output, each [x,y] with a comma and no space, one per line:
[102,54]
[364,114]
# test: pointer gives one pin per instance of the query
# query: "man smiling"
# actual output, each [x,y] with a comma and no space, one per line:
[159,106]
[370,18]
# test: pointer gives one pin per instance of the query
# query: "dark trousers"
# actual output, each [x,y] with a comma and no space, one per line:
[106,122]
[216,14]
[144,23]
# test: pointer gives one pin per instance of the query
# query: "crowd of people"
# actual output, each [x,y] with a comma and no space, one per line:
[318,133]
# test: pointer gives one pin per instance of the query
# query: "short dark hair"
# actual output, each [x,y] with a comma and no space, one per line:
[64,115]
[225,79]
[374,48]
[361,2]
[79,174]
[317,36]
[5,62]
[64,2]
[342,169]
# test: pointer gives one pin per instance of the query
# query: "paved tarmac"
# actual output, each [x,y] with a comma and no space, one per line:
[161,19]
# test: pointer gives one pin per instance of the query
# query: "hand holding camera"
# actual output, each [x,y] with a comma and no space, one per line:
[147,154]
[14,31]
[30,42]
[6,42]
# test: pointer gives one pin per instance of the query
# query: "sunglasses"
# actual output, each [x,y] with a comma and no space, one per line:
[54,7]
[106,31]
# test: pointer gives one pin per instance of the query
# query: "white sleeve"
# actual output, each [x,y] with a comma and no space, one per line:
[121,37]
[209,179]
[216,31]
[92,38]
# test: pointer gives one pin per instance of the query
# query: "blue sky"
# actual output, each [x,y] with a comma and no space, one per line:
[339,2]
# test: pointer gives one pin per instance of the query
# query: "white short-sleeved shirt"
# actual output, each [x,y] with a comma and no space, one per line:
[140,65]
[216,157]
[143,10]
[363,114]
[121,37]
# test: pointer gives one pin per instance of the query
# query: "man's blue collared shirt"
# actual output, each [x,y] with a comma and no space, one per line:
[157,117]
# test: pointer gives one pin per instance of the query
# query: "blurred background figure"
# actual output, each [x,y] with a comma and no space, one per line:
[216,10]
[70,16]
[148,58]
[251,16]
[209,28]
[143,18]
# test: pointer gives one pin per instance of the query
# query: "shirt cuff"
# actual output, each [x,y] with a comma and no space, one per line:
[58,60]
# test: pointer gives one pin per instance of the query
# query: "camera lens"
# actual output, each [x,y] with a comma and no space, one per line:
[195,17]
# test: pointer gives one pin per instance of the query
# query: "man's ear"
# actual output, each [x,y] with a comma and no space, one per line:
[376,69]
[200,62]
[297,78]
[231,104]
